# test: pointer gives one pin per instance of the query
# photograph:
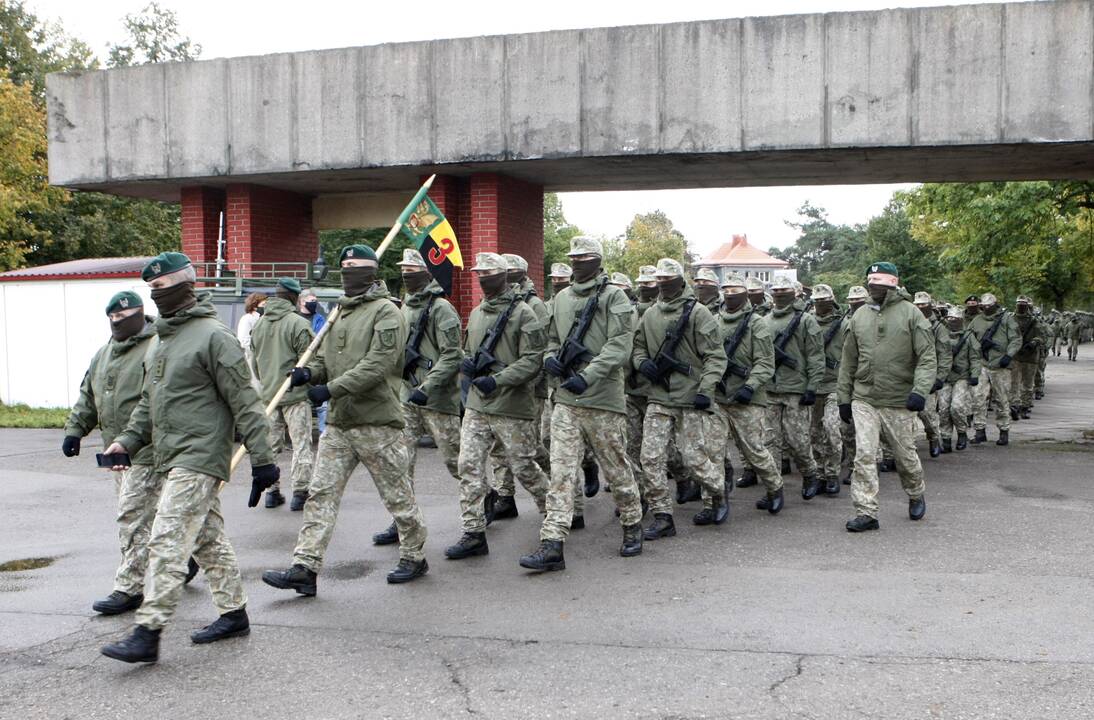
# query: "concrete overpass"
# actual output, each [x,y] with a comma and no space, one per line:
[291,142]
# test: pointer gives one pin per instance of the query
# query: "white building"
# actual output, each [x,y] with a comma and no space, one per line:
[738,256]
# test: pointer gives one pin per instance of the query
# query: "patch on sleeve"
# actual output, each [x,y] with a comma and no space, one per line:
[387,331]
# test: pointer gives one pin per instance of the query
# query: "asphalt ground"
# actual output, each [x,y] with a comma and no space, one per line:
[981,610]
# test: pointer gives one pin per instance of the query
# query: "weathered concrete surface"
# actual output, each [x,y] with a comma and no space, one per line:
[981,610]
[1003,91]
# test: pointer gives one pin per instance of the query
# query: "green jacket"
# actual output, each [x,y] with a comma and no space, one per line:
[943,344]
[805,346]
[1007,339]
[111,389]
[763,309]
[833,351]
[1032,338]
[361,361]
[440,346]
[966,360]
[278,339]
[519,353]
[543,312]
[637,385]
[1074,329]
[610,339]
[701,348]
[755,352]
[888,354]
[197,393]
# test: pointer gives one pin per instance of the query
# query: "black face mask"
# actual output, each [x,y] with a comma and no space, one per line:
[783,299]
[988,309]
[357,280]
[972,310]
[824,307]
[927,312]
[173,300]
[756,299]
[311,307]
[515,277]
[878,293]
[493,285]
[955,325]
[671,289]
[706,293]
[415,282]
[647,293]
[585,270]
[1022,309]
[127,327]
[559,286]
[261,310]
[734,301]
[856,305]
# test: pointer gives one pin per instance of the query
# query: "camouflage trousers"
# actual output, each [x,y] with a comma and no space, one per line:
[573,430]
[825,435]
[297,417]
[479,435]
[503,474]
[636,416]
[847,432]
[1072,348]
[1058,343]
[1039,380]
[788,423]
[980,395]
[899,427]
[929,416]
[700,436]
[188,522]
[138,494]
[445,430]
[1022,376]
[746,427]
[999,397]
[954,405]
[380,448]
[545,419]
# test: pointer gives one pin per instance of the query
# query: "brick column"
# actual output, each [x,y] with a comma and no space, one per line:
[201,208]
[266,225]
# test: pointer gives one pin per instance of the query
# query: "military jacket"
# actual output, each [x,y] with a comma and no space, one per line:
[942,347]
[755,352]
[279,339]
[637,385]
[1007,339]
[833,351]
[440,346]
[1032,338]
[805,346]
[965,359]
[543,312]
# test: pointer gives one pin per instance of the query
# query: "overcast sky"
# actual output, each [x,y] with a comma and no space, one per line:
[227,28]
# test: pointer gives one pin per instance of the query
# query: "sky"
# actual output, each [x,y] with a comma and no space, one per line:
[248,27]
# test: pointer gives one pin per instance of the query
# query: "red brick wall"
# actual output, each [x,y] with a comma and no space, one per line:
[268,225]
[201,207]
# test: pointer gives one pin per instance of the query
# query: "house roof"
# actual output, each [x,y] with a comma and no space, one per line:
[85,269]
[738,252]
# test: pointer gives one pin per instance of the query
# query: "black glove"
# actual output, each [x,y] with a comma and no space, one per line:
[552,366]
[318,395]
[418,397]
[808,399]
[916,402]
[743,395]
[845,412]
[575,384]
[649,369]
[701,402]
[70,446]
[300,376]
[486,384]
[974,381]
[1004,362]
[262,477]
[467,366]
[937,386]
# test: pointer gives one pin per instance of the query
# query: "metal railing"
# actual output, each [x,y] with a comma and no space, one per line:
[241,278]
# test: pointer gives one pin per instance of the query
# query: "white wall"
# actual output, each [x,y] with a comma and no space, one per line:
[48,332]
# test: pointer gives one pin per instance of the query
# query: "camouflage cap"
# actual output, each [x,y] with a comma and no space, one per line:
[411,258]
[922,298]
[753,284]
[647,273]
[782,282]
[358,252]
[515,262]
[798,287]
[585,245]
[706,274]
[125,300]
[667,267]
[823,292]
[292,285]
[857,292]
[621,280]
[1024,300]
[988,299]
[734,280]
[490,263]
[561,270]
[956,313]
[164,264]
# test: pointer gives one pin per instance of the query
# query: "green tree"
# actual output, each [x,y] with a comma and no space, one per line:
[152,36]
[557,233]
[889,238]
[331,243]
[649,237]
[31,48]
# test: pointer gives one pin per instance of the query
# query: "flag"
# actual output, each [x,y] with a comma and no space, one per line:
[425,224]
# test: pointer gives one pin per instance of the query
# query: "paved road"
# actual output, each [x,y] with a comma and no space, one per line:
[981,610]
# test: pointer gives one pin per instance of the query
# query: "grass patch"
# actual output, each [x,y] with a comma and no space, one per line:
[24,416]
[26,564]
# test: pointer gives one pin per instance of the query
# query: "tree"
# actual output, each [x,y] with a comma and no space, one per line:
[649,237]
[557,233]
[331,243]
[889,238]
[30,49]
[825,252]
[152,37]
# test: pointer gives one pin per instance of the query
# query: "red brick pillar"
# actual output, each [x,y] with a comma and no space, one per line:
[266,225]
[201,208]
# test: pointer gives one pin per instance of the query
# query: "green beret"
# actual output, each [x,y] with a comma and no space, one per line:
[885,268]
[124,300]
[290,284]
[358,252]
[163,264]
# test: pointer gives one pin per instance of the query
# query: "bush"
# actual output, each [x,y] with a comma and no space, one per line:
[24,416]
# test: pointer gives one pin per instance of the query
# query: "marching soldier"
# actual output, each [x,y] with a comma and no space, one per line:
[589,343]
[856,298]
[981,391]
[826,425]
[706,289]
[997,335]
[623,282]
[1027,360]
[887,371]
[757,296]
[637,386]
[941,334]
[1046,327]
[560,280]
[358,369]
[1074,334]
[955,397]
[197,388]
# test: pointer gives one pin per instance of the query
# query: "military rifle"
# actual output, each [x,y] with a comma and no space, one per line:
[573,350]
[987,343]
[483,359]
[731,344]
[665,361]
[783,339]
[412,356]
[831,363]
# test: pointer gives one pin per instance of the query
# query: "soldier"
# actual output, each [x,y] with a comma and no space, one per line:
[1026,360]
[623,282]
[589,343]
[955,397]
[197,388]
[1074,332]
[1046,328]
[358,369]
[943,359]
[637,386]
[998,338]
[826,426]
[887,371]
[799,371]
[981,392]
[706,289]
[503,355]
[759,299]
[278,340]
[678,349]
[750,364]
[856,298]
[560,280]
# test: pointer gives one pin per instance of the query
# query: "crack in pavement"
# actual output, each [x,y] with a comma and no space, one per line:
[454,677]
[797,673]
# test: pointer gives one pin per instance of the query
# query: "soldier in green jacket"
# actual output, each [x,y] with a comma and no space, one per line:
[707,290]
[943,359]
[678,349]
[589,343]
[560,280]
[826,426]
[955,397]
[1026,360]
[757,296]
[500,400]
[885,376]
[636,385]
[359,370]
[856,298]
[1074,334]
[197,389]
[999,341]
[1047,340]
[278,340]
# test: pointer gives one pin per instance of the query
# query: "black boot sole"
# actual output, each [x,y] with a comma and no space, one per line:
[107,610]
[399,580]
[545,567]
[127,659]
[385,540]
[670,532]
[477,552]
[623,552]
[308,590]
[199,640]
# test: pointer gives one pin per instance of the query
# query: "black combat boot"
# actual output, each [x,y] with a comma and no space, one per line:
[1023,413]
[662,526]
[831,485]
[888,465]
[862,523]
[962,441]
[728,466]
[592,479]
[489,505]
[505,507]
[389,536]
[192,568]
[917,507]
[785,469]
[469,545]
[1039,395]
[846,474]
[947,446]
[981,436]
[703,517]
[935,448]
[810,487]
[688,491]
[117,603]
[299,498]
[274,498]
[142,645]
[577,522]
[772,503]
[407,570]
[548,556]
[748,478]
[632,540]
[715,515]
[229,625]
[1004,438]
[297,578]
[1013,413]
